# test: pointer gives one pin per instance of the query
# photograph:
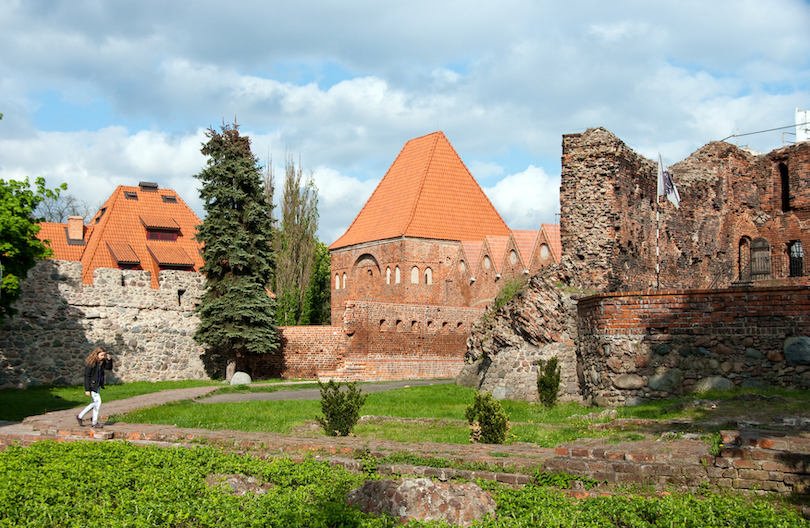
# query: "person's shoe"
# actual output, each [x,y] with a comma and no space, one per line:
[81,422]
[97,426]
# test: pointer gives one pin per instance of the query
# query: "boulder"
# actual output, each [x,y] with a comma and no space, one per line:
[668,381]
[714,383]
[797,350]
[629,382]
[241,378]
[455,503]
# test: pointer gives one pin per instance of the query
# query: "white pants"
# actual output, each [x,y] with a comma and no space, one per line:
[95,405]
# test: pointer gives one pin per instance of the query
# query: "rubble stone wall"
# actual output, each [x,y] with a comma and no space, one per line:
[658,343]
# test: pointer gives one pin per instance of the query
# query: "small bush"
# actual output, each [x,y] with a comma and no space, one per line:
[341,409]
[489,424]
[548,383]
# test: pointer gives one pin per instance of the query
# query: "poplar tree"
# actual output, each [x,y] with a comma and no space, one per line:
[237,313]
[296,243]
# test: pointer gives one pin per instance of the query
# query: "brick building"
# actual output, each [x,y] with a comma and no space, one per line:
[428,235]
[742,218]
[138,228]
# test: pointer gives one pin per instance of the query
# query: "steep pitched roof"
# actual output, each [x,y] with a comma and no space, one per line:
[497,248]
[117,235]
[525,241]
[426,193]
[472,251]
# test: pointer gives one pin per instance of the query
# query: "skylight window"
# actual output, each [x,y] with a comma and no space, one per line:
[130,195]
[169,199]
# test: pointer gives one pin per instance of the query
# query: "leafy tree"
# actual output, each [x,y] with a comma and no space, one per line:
[295,244]
[19,246]
[318,300]
[237,314]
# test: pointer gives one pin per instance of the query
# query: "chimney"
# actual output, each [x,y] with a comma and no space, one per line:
[76,228]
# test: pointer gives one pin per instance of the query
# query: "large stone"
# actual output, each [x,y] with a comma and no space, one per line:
[629,382]
[797,350]
[423,499]
[668,381]
[714,383]
[241,378]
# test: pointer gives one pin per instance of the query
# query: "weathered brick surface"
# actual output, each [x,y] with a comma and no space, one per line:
[729,198]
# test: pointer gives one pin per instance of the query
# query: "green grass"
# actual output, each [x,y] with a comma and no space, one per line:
[16,404]
[116,484]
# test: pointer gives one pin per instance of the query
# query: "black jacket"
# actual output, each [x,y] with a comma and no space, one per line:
[92,381]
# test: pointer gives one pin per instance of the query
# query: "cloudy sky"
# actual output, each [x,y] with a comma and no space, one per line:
[104,93]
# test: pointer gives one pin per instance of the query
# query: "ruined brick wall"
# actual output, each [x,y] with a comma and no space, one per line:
[655,344]
[729,198]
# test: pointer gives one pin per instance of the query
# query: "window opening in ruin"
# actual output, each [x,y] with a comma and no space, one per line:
[760,259]
[399,324]
[382,325]
[414,275]
[337,281]
[487,262]
[459,326]
[461,266]
[180,293]
[428,276]
[344,281]
[796,256]
[430,324]
[784,179]
[544,252]
[745,259]
[513,257]
[123,280]
[388,275]
[414,326]
[396,275]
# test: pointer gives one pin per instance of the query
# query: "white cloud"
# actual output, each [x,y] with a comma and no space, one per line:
[527,199]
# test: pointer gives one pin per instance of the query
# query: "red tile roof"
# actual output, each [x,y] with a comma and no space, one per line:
[472,250]
[426,193]
[525,241]
[497,248]
[553,236]
[117,234]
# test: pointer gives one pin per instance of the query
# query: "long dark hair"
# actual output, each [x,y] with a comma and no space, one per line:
[93,359]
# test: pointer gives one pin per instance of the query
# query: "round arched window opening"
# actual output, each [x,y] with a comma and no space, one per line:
[487,262]
[513,257]
[545,253]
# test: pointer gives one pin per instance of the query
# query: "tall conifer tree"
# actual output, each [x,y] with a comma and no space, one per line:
[237,314]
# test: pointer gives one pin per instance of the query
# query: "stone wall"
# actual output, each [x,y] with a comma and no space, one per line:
[657,343]
[729,198]
[60,320]
[509,347]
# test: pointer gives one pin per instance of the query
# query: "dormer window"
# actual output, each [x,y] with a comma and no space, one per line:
[130,195]
[159,234]
[167,198]
[160,228]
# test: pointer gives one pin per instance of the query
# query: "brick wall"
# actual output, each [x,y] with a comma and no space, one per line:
[377,341]
[656,343]
[729,198]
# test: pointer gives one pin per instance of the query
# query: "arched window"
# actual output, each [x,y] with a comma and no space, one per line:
[428,276]
[760,259]
[344,281]
[414,275]
[337,281]
[513,257]
[396,275]
[784,179]
[796,258]
[388,275]
[487,262]
[544,252]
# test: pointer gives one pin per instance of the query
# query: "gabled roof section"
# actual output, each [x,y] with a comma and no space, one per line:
[525,241]
[552,232]
[123,253]
[472,253]
[63,248]
[497,247]
[427,192]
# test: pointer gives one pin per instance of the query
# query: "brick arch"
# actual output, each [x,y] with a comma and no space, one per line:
[367,277]
[365,263]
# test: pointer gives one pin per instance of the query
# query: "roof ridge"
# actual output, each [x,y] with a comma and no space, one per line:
[424,177]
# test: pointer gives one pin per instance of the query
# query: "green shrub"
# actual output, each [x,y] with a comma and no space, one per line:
[508,291]
[548,383]
[341,409]
[489,424]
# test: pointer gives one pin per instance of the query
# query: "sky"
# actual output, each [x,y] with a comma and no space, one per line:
[98,94]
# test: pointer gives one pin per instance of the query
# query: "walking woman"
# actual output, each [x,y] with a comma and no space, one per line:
[94,366]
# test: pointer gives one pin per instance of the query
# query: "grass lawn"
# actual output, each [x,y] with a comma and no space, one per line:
[16,404]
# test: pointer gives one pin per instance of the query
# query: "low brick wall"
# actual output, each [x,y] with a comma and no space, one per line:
[657,343]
